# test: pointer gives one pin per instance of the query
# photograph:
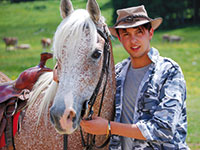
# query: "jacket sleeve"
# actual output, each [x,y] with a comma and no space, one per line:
[168,117]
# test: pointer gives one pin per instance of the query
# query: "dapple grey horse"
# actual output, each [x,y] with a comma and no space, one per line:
[78,47]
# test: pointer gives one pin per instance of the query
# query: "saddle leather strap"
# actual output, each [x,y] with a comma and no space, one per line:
[9,137]
[9,108]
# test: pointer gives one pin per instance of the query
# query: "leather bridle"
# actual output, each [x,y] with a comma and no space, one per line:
[105,67]
[105,71]
[90,143]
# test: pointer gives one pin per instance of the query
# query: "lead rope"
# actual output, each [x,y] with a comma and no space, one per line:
[65,138]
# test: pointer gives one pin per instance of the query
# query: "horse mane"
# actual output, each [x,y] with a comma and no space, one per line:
[43,93]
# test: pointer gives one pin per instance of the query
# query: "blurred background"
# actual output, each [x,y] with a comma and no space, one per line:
[27,28]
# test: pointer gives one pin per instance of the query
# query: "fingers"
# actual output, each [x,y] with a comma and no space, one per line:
[86,126]
[97,126]
[85,122]
[89,125]
[55,74]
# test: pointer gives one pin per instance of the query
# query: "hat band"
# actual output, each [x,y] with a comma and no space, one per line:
[130,19]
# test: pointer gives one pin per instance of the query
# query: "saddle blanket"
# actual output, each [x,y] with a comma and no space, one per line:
[15,127]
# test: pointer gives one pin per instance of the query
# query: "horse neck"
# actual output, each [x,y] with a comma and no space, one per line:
[112,65]
[111,76]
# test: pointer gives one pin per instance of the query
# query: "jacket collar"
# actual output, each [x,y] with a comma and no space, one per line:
[154,55]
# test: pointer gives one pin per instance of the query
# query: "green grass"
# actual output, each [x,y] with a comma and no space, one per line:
[187,54]
[31,21]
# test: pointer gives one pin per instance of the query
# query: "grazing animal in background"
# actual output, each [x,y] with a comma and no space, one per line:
[175,38]
[46,42]
[10,41]
[171,38]
[166,37]
[85,71]
[23,46]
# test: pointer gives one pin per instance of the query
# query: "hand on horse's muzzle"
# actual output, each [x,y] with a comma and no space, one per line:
[96,126]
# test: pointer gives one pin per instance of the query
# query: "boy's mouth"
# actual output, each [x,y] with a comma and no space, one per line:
[134,48]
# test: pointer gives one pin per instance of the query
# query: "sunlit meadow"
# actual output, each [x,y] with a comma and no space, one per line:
[31,21]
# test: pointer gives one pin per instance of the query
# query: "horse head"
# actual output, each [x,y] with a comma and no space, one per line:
[78,46]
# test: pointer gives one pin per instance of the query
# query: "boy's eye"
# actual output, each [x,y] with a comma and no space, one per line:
[139,31]
[125,34]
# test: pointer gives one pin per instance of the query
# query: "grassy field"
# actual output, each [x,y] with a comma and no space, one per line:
[31,21]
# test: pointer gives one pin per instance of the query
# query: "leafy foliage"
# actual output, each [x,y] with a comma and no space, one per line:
[176,13]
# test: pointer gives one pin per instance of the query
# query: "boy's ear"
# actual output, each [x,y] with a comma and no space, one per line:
[118,36]
[151,32]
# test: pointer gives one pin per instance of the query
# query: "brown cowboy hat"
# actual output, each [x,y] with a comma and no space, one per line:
[133,17]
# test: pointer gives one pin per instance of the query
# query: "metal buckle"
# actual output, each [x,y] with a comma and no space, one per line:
[11,114]
[128,19]
[25,94]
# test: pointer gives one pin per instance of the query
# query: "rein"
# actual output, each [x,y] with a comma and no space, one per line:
[105,67]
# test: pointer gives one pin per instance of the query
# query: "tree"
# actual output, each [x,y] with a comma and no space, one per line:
[175,13]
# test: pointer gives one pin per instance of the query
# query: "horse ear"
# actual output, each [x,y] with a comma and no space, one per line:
[66,8]
[94,10]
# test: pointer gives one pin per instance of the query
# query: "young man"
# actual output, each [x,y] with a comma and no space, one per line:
[151,91]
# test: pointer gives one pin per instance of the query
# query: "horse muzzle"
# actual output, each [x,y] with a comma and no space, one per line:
[65,123]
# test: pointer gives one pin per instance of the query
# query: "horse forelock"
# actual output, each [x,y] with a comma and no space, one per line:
[70,33]
[74,41]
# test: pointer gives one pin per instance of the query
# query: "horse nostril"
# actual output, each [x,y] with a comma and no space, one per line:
[68,117]
[71,115]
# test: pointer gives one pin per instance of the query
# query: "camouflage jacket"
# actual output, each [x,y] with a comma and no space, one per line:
[160,107]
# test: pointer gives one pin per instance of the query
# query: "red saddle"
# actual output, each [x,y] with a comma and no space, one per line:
[14,96]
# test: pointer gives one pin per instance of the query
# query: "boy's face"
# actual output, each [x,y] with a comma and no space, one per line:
[136,41]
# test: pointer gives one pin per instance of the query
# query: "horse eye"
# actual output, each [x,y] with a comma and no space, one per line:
[97,53]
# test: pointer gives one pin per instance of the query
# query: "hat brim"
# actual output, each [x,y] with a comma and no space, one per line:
[155,23]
